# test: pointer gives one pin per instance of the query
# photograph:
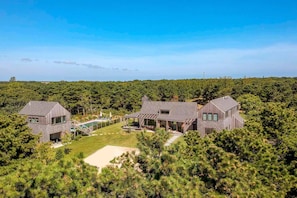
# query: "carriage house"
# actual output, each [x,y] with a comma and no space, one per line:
[48,118]
[218,114]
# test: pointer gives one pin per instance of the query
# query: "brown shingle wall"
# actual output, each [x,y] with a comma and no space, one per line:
[210,108]
[57,111]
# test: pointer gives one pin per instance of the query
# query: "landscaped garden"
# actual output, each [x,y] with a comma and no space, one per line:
[110,135]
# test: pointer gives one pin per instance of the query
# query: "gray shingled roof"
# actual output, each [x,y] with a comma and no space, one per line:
[178,111]
[224,103]
[38,108]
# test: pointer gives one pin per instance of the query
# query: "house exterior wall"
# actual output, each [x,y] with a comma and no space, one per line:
[238,124]
[57,111]
[38,128]
[228,124]
[210,108]
[46,130]
[226,120]
[51,129]
[215,125]
[45,126]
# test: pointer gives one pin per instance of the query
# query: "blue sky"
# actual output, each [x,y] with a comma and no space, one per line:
[125,40]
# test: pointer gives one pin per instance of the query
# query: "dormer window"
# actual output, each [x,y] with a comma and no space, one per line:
[164,111]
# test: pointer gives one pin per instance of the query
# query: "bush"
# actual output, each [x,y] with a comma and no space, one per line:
[67,150]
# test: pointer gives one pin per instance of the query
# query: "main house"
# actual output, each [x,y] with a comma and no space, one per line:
[179,116]
[48,118]
[218,114]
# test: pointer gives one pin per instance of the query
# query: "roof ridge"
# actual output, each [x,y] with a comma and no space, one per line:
[217,106]
[41,108]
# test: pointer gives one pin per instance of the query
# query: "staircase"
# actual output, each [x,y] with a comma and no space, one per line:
[187,124]
[82,128]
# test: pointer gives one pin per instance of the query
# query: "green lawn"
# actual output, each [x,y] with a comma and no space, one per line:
[110,135]
[180,139]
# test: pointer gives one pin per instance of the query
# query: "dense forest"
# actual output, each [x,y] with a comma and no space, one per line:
[121,97]
[259,160]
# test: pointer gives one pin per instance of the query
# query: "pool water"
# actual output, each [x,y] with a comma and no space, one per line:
[90,124]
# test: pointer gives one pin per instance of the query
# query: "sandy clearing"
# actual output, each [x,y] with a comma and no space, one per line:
[102,157]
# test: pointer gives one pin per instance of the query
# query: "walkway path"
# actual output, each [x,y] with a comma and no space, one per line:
[173,138]
[57,145]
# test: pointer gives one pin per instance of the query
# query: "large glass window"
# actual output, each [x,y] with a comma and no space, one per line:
[204,116]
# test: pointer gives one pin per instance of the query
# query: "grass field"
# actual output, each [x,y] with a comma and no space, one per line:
[110,135]
[180,139]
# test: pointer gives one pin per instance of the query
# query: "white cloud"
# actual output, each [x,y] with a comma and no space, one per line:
[26,60]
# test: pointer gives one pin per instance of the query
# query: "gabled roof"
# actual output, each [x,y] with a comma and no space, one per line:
[224,103]
[38,108]
[178,111]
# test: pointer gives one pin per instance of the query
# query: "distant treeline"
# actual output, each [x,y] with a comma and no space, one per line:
[84,97]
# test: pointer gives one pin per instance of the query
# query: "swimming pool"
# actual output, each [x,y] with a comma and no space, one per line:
[88,124]
[93,122]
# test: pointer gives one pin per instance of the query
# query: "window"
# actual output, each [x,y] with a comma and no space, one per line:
[204,116]
[63,119]
[164,111]
[151,122]
[209,116]
[59,120]
[215,117]
[33,120]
